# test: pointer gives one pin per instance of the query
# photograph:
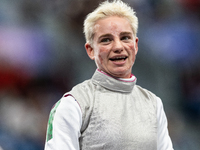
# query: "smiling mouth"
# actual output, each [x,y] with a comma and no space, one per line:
[121,58]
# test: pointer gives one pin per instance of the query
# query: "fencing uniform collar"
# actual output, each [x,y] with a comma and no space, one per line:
[113,84]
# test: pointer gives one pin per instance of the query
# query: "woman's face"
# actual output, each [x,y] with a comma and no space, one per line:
[114,46]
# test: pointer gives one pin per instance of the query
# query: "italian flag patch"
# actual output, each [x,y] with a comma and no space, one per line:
[50,122]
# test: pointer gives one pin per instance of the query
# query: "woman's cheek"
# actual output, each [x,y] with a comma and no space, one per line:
[131,46]
[101,59]
[104,52]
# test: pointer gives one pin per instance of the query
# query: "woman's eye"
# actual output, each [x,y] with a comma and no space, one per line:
[125,38]
[105,40]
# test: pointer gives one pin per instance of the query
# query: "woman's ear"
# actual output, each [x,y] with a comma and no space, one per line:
[136,45]
[89,50]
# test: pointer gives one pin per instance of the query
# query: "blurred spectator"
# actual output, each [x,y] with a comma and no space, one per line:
[191,6]
[191,92]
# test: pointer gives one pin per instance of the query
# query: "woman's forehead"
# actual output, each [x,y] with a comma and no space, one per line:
[112,25]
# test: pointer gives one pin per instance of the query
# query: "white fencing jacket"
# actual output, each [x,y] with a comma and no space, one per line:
[105,113]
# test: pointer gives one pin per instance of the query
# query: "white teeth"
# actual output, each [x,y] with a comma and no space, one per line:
[119,58]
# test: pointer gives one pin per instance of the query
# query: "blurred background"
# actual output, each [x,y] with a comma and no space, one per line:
[42,56]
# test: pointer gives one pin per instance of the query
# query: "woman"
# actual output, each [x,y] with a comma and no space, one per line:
[109,111]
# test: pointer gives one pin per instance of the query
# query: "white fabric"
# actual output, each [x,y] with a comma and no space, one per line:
[68,120]
[66,126]
[132,78]
[163,139]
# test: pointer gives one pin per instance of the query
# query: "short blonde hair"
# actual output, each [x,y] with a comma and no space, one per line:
[108,9]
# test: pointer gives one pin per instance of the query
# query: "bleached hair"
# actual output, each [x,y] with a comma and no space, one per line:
[108,9]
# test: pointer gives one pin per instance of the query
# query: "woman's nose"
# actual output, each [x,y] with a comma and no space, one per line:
[117,46]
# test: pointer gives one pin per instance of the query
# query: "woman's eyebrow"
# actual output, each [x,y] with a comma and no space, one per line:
[109,35]
[105,35]
[125,33]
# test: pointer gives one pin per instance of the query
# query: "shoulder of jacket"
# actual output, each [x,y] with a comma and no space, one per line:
[145,92]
